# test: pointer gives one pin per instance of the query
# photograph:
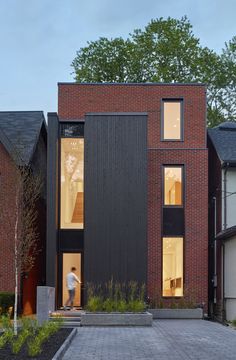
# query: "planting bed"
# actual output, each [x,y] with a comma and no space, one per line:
[49,348]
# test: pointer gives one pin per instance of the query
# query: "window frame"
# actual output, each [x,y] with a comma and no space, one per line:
[182,185]
[172,296]
[171,100]
[60,137]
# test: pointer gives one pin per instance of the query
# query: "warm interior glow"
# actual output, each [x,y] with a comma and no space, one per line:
[69,260]
[172,120]
[173,185]
[72,183]
[172,267]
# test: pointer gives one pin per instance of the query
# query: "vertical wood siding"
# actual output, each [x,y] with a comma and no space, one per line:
[115,197]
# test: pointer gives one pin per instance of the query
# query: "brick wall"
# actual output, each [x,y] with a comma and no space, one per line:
[7,206]
[7,223]
[77,99]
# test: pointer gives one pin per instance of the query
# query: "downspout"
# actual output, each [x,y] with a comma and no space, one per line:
[226,165]
[225,196]
[215,252]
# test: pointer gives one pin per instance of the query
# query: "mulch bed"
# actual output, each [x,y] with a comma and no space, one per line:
[49,348]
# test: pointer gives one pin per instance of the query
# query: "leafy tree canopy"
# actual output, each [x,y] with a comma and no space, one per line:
[165,51]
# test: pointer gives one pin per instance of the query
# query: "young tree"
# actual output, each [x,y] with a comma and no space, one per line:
[165,51]
[20,216]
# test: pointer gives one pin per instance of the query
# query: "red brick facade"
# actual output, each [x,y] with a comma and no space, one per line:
[75,100]
[7,176]
[26,286]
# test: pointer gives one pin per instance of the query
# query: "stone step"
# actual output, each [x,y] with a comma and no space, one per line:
[67,313]
[67,319]
[68,322]
[71,324]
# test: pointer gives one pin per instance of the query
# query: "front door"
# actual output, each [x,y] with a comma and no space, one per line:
[70,260]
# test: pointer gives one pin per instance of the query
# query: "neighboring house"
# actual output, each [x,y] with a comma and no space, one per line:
[127,189]
[222,219]
[23,139]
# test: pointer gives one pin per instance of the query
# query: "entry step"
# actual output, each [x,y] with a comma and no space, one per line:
[70,319]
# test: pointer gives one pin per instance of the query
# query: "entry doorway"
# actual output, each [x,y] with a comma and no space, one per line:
[70,260]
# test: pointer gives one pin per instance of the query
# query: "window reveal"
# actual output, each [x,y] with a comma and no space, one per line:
[72,183]
[172,266]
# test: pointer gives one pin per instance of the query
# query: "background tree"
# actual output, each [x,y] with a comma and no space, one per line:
[165,51]
[20,214]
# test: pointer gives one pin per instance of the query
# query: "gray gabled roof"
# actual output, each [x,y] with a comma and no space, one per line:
[19,133]
[227,233]
[223,138]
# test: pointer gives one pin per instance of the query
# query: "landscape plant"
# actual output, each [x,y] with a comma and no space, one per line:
[7,331]
[113,297]
[45,331]
[28,329]
[25,188]
[234,322]
[6,302]
[30,333]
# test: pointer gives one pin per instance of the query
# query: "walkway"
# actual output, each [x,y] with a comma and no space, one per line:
[166,339]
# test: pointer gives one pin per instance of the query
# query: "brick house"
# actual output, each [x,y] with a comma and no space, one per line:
[127,189]
[23,139]
[222,222]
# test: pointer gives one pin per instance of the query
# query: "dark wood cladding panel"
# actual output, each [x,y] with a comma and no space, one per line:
[52,199]
[115,238]
[71,240]
[173,221]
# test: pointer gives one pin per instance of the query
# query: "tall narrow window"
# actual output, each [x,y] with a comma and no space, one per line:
[172,120]
[173,185]
[72,183]
[172,266]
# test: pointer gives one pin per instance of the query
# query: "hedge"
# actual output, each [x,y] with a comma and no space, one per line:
[6,301]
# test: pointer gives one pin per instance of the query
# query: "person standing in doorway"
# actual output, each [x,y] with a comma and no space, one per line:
[71,280]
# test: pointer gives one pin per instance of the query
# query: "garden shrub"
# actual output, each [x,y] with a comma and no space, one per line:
[94,304]
[29,328]
[109,305]
[234,322]
[116,297]
[6,301]
[136,306]
[45,331]
[121,306]
[8,331]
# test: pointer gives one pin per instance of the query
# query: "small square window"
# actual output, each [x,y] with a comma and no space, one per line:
[172,121]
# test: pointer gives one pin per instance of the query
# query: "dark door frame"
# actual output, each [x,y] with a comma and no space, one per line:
[60,271]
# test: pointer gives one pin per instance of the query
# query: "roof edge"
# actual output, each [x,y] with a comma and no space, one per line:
[43,123]
[227,233]
[131,84]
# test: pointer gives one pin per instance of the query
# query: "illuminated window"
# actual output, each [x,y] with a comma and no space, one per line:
[172,266]
[173,192]
[172,119]
[72,183]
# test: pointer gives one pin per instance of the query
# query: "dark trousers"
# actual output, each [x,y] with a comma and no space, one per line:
[70,301]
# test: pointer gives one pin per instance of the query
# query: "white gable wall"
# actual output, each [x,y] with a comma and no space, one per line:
[230,278]
[230,198]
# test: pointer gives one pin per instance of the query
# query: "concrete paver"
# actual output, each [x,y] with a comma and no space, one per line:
[165,340]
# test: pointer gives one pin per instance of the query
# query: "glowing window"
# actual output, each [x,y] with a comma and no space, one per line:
[172,119]
[72,183]
[172,266]
[173,185]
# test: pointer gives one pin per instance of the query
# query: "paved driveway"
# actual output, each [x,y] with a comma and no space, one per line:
[166,339]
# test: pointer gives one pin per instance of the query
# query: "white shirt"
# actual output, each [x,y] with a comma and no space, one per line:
[71,280]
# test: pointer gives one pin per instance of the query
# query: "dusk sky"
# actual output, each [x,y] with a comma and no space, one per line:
[39,38]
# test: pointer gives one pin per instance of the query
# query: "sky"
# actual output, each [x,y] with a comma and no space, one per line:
[39,38]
